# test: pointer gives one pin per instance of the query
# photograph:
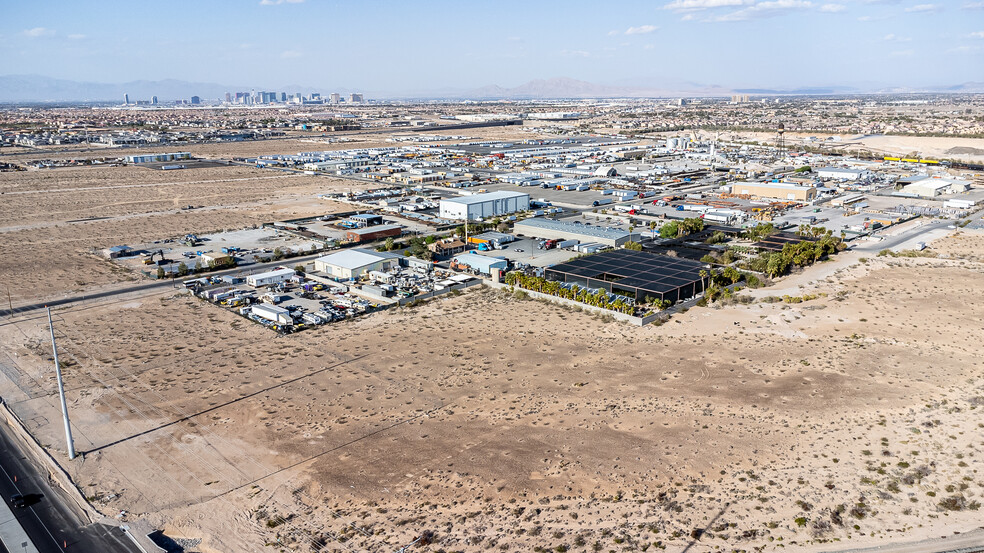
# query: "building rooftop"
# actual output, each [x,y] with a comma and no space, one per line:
[275,272]
[587,230]
[485,197]
[785,185]
[356,257]
[493,235]
[370,230]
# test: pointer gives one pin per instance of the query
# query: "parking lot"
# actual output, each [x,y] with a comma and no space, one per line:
[525,250]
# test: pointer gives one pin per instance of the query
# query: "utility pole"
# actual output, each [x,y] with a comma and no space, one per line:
[61,390]
[10,304]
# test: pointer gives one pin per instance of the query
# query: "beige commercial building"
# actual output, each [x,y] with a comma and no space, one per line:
[777,190]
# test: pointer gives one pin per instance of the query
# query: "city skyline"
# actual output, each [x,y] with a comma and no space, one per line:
[391,48]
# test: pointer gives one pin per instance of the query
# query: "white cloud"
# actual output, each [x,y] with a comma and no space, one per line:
[278,2]
[865,18]
[833,8]
[978,34]
[641,30]
[38,31]
[892,37]
[575,53]
[76,37]
[902,53]
[765,9]
[688,5]
[963,49]
[924,8]
[290,54]
[974,6]
[614,33]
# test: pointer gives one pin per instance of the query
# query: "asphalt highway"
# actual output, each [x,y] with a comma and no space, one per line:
[49,520]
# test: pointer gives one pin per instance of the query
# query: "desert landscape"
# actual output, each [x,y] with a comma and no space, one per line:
[743,426]
[842,416]
[292,276]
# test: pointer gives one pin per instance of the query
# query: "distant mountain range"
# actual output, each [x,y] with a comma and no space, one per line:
[35,88]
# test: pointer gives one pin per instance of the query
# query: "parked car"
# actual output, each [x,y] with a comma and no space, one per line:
[18,501]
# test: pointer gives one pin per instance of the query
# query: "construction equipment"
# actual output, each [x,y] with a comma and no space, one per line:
[150,260]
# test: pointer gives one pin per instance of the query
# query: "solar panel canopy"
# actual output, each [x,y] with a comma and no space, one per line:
[634,274]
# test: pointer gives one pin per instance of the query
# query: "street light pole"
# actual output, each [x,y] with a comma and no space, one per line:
[61,390]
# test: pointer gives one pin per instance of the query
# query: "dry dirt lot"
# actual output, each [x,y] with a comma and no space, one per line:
[502,423]
[54,220]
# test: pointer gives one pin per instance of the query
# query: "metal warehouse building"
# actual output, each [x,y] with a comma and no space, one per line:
[777,190]
[355,262]
[480,206]
[368,234]
[560,230]
[634,274]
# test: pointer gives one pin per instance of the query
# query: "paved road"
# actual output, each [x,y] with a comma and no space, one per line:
[156,285]
[971,542]
[49,521]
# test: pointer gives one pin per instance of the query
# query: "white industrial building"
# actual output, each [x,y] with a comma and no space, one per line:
[355,262]
[841,173]
[270,277]
[151,158]
[930,187]
[480,206]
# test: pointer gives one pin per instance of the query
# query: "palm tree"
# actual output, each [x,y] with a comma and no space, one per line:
[703,275]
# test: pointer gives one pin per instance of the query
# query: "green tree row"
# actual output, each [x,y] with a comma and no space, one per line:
[675,229]
[598,298]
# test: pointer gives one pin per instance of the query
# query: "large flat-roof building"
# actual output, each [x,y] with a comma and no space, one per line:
[480,206]
[841,173]
[152,158]
[775,190]
[560,230]
[355,262]
[930,187]
[633,274]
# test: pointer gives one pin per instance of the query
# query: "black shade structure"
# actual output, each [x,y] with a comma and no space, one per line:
[775,242]
[633,274]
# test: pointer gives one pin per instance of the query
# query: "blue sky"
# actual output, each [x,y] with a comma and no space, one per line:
[392,46]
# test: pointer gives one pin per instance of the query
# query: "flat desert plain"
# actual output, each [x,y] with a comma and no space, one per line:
[484,421]
[54,222]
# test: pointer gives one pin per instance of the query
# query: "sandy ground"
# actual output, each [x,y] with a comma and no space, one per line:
[500,423]
[292,145]
[927,147]
[55,222]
